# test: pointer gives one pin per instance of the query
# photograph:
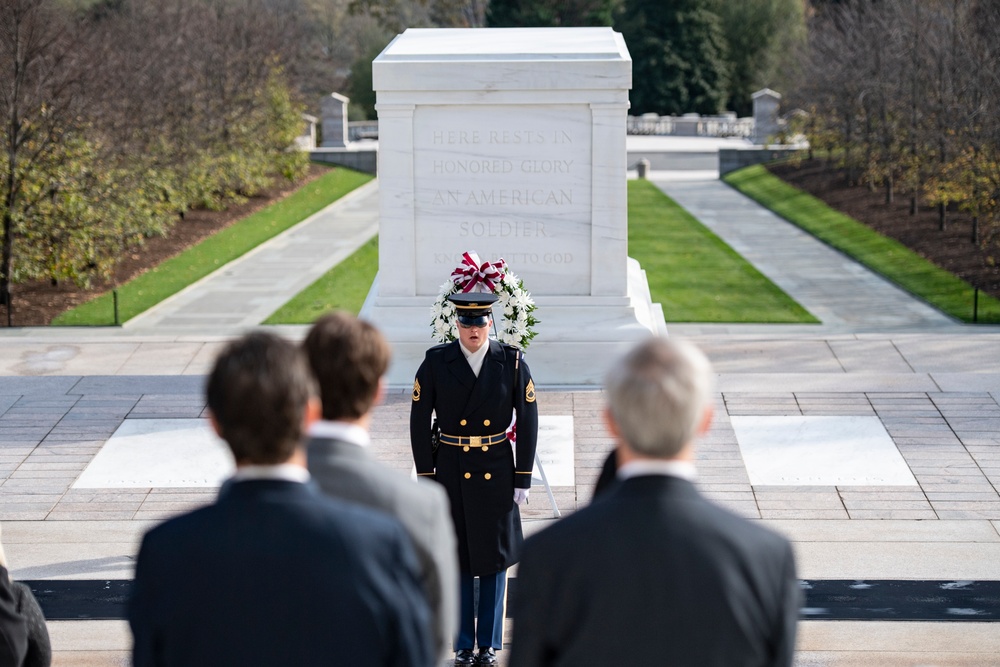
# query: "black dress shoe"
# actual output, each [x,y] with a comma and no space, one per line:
[465,656]
[487,656]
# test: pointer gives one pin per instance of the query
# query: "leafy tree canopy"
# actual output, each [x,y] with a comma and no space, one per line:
[551,13]
[678,56]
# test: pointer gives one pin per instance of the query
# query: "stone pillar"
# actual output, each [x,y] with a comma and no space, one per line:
[509,143]
[765,115]
[334,111]
[307,140]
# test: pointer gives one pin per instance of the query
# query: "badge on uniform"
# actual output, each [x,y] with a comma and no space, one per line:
[416,390]
[529,392]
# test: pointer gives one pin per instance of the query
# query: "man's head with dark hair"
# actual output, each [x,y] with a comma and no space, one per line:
[258,394]
[348,357]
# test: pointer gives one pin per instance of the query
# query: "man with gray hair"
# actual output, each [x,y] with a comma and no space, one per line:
[652,572]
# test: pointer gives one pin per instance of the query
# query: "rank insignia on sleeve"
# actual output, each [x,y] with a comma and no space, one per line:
[416,390]
[529,392]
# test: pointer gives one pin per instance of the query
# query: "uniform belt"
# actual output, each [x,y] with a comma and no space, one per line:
[473,440]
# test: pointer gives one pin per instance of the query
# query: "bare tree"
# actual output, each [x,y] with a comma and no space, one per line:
[40,83]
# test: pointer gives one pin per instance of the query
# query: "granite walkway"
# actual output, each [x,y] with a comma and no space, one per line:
[245,292]
[925,389]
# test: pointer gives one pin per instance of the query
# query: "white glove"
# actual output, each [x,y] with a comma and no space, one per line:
[520,496]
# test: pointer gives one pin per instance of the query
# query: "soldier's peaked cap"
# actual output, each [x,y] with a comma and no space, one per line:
[473,303]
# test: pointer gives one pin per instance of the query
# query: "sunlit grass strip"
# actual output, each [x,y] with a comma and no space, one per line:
[173,275]
[344,287]
[881,254]
[696,276]
[693,273]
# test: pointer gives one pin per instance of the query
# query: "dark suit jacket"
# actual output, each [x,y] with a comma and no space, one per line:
[346,470]
[13,625]
[480,480]
[653,574]
[39,646]
[275,573]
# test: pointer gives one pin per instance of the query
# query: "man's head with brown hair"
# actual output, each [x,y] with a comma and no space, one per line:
[258,395]
[348,357]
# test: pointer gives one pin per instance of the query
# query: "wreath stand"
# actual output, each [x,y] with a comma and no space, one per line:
[548,488]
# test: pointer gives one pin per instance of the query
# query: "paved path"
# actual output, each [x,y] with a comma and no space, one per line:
[247,291]
[841,293]
[931,384]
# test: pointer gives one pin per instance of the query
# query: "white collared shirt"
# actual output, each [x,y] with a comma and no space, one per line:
[476,358]
[288,472]
[639,467]
[342,431]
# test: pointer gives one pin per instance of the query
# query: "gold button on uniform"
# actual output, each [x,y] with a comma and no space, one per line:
[468,475]
[466,448]
[485,448]
[486,422]
[487,475]
[462,423]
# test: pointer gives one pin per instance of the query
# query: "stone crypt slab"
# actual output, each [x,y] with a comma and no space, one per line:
[159,453]
[820,451]
[177,453]
[509,143]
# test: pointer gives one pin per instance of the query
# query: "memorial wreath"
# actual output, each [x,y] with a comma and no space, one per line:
[473,275]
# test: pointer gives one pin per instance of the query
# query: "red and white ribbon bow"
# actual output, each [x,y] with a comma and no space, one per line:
[472,272]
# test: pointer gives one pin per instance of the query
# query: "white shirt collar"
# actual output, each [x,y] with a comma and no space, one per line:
[345,432]
[476,358]
[639,467]
[288,472]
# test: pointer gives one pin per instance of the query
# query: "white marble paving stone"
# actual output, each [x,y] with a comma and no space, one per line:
[146,453]
[555,451]
[165,453]
[801,451]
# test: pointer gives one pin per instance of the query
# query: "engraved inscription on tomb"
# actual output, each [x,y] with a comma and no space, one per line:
[505,181]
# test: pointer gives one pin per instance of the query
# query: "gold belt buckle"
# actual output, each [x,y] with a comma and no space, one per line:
[475,440]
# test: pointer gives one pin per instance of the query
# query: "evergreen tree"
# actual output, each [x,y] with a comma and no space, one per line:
[678,56]
[551,13]
[762,37]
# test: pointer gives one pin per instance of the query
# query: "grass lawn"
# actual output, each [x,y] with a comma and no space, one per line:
[693,273]
[344,287]
[881,254]
[173,275]
[696,276]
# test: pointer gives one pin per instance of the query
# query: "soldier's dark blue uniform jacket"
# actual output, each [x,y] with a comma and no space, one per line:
[480,478]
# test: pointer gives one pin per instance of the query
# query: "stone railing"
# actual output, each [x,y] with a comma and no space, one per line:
[362,129]
[690,125]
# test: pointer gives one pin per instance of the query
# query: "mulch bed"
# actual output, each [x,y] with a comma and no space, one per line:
[951,249]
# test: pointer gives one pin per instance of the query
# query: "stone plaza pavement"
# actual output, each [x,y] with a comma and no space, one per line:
[927,509]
